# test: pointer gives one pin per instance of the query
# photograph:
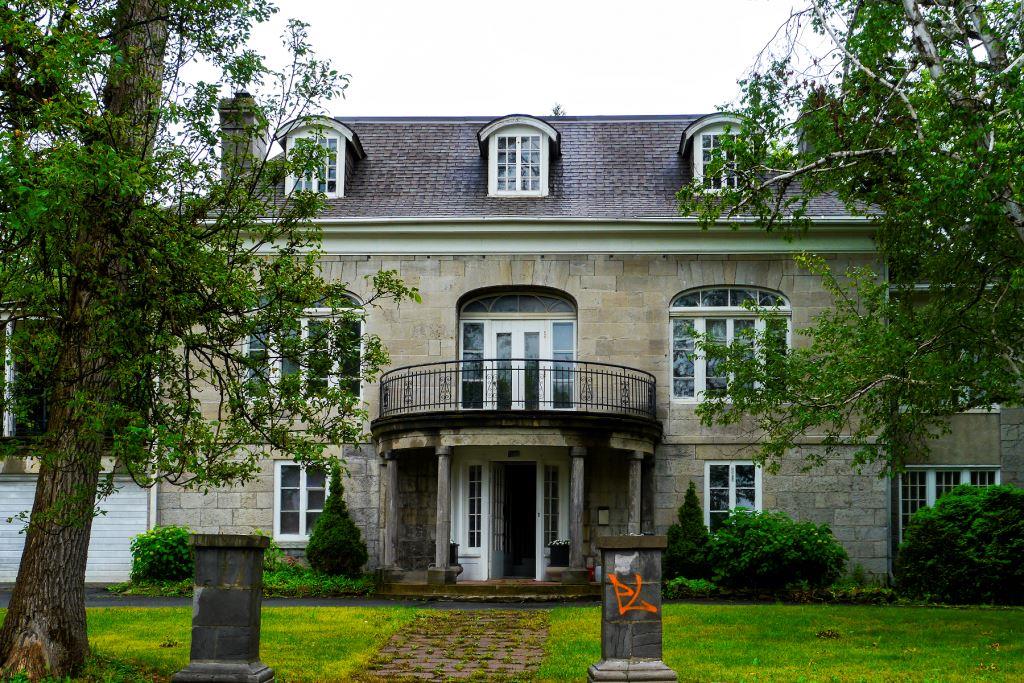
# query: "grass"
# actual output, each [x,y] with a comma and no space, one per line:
[811,643]
[702,642]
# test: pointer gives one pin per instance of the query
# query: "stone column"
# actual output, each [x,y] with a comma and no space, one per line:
[631,611]
[226,604]
[636,459]
[577,572]
[391,511]
[440,571]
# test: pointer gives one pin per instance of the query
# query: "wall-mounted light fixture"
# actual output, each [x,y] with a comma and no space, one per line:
[602,517]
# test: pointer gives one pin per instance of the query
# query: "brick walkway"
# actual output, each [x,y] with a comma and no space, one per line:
[440,646]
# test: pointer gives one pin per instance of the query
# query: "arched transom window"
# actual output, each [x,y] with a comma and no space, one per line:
[720,314]
[504,304]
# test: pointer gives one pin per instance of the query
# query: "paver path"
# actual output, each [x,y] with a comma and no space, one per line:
[477,645]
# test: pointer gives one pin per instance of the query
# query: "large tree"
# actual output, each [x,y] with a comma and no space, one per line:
[132,275]
[911,113]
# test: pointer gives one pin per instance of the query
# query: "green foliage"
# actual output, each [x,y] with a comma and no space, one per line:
[913,120]
[770,551]
[967,548]
[681,588]
[286,581]
[273,557]
[336,546]
[162,554]
[687,541]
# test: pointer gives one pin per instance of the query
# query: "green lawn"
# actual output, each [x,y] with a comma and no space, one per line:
[780,643]
[702,642]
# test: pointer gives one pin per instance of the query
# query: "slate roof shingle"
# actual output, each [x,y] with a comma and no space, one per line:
[610,167]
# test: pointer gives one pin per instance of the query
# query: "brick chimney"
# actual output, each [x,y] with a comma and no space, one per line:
[242,145]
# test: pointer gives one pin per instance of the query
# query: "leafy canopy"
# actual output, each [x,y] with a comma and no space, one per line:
[911,114]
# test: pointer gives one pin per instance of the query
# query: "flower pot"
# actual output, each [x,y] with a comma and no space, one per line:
[559,556]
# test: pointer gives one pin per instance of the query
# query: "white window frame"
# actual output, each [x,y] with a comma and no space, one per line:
[758,486]
[324,139]
[275,361]
[699,316]
[517,131]
[303,534]
[729,179]
[930,487]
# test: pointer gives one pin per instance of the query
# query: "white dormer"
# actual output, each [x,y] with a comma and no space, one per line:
[518,150]
[701,138]
[343,150]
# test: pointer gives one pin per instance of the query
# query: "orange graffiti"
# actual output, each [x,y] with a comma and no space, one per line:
[624,591]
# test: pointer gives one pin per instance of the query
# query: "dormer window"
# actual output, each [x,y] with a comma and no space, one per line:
[703,141]
[341,147]
[518,150]
[518,163]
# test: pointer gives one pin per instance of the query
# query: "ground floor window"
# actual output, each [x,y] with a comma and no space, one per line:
[727,486]
[299,495]
[922,486]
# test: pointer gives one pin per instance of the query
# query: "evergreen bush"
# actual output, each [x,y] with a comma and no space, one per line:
[162,554]
[336,547]
[967,548]
[770,551]
[687,542]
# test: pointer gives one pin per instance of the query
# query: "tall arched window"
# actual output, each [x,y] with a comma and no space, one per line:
[720,313]
[515,347]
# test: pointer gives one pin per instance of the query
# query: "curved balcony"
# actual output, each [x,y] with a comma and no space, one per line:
[517,384]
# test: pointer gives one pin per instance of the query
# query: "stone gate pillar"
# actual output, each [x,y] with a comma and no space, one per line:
[631,610]
[226,603]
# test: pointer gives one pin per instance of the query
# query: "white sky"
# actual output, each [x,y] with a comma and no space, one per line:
[455,57]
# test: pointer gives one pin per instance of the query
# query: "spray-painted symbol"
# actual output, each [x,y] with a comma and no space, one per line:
[630,594]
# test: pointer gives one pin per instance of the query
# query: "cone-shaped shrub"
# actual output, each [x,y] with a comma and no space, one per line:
[336,547]
[685,554]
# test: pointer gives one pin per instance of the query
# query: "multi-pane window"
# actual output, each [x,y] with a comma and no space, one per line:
[472,365]
[722,316]
[711,147]
[922,486]
[332,353]
[728,486]
[563,348]
[25,406]
[518,163]
[550,504]
[326,180]
[474,502]
[300,499]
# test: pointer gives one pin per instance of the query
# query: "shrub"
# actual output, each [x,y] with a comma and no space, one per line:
[687,541]
[968,548]
[336,547]
[770,551]
[273,557]
[162,554]
[682,587]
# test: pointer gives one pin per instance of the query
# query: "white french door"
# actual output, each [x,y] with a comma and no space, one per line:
[512,364]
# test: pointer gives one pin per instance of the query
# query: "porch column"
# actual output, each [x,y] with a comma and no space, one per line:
[440,572]
[391,513]
[577,572]
[636,459]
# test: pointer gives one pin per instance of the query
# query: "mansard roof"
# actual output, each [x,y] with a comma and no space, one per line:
[610,167]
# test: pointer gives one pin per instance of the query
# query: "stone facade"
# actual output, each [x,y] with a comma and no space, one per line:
[622,318]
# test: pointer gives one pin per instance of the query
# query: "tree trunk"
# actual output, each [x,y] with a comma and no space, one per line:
[44,632]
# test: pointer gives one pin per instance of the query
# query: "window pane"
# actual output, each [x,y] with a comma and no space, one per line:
[683,388]
[719,476]
[289,522]
[717,519]
[719,499]
[740,297]
[745,476]
[690,300]
[946,481]
[983,478]
[473,337]
[289,476]
[311,518]
[715,297]
[315,499]
[289,499]
[562,333]
[745,498]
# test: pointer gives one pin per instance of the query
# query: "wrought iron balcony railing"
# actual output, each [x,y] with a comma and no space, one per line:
[511,384]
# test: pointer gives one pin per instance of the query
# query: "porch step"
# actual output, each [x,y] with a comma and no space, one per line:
[492,591]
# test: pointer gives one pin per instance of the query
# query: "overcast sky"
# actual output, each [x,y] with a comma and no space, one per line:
[454,57]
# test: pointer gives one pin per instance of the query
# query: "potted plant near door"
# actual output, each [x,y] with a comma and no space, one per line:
[559,553]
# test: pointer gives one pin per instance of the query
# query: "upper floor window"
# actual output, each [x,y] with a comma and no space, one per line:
[330,360]
[722,315]
[25,406]
[704,141]
[338,145]
[519,150]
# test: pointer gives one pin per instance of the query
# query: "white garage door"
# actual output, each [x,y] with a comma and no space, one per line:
[110,559]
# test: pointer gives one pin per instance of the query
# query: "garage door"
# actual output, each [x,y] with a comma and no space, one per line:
[110,559]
